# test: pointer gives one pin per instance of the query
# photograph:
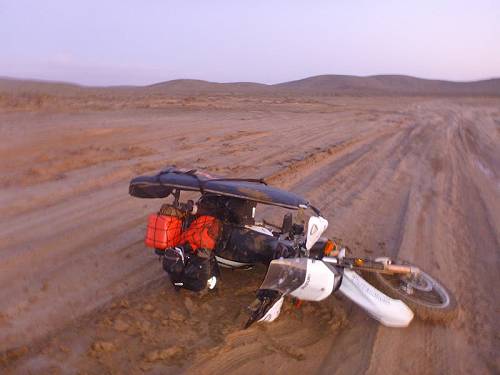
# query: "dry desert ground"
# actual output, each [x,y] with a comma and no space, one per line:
[413,176]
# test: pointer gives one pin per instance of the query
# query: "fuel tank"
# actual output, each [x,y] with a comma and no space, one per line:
[242,246]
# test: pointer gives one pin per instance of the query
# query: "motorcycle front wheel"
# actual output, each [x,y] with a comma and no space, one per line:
[424,294]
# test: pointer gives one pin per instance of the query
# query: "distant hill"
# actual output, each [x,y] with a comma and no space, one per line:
[193,86]
[388,85]
[317,85]
[14,85]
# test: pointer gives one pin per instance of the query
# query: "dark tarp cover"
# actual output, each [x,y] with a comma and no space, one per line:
[162,184]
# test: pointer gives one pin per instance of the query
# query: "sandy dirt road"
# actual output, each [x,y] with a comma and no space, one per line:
[416,178]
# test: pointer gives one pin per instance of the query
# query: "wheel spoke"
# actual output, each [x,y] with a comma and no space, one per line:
[422,291]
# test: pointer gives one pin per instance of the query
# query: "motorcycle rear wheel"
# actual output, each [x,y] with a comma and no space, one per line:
[424,294]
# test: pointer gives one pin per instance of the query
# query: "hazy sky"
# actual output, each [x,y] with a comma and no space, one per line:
[139,42]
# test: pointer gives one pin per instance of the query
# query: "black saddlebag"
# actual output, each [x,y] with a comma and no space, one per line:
[191,271]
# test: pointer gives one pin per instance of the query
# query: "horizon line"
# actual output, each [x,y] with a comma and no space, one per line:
[41,80]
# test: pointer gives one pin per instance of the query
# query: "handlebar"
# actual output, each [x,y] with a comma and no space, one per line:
[370,265]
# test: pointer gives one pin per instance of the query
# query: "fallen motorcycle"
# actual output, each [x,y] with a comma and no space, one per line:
[301,263]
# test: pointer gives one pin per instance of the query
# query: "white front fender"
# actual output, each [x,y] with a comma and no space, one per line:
[390,312]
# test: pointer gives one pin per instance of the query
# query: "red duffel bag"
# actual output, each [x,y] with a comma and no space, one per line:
[203,232]
[164,229]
